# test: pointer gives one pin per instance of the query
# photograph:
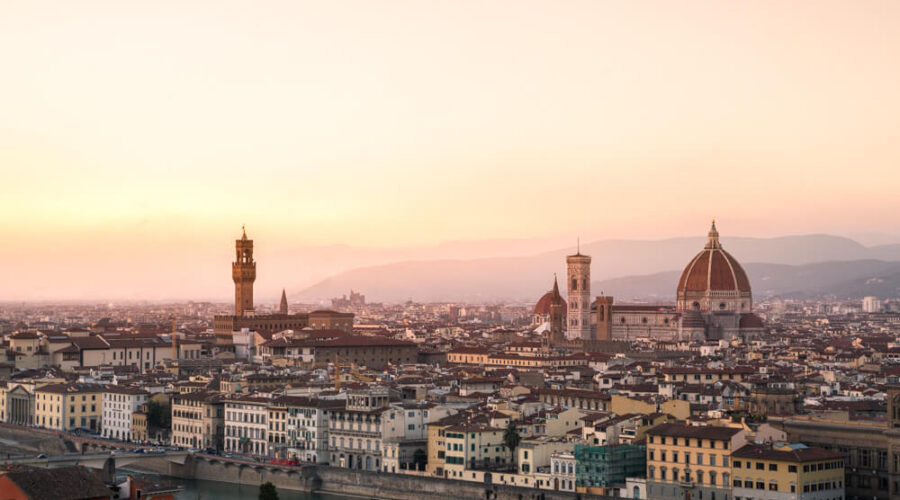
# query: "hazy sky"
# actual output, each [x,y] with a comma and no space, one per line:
[141,135]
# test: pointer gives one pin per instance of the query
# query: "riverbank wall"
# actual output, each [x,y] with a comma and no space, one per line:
[366,484]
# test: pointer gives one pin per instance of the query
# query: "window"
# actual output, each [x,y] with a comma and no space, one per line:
[792,468]
[760,466]
[737,464]
[773,467]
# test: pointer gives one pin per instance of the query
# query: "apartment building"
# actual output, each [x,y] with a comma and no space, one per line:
[405,434]
[306,430]
[246,425]
[67,407]
[694,460]
[198,420]
[355,431]
[787,472]
[119,405]
[471,446]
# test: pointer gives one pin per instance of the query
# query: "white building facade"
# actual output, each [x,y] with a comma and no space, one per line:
[119,403]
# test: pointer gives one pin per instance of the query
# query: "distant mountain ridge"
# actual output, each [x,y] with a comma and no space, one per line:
[639,269]
[842,280]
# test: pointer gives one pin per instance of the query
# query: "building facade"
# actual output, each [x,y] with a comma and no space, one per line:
[246,426]
[787,472]
[119,405]
[198,420]
[67,407]
[690,461]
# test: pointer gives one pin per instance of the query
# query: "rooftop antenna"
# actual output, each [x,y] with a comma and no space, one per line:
[579,246]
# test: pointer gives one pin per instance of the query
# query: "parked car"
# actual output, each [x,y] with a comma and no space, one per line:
[41,456]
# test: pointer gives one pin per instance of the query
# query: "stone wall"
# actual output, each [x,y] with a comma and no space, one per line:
[323,479]
[403,487]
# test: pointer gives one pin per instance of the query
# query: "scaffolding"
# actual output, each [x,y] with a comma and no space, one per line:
[604,466]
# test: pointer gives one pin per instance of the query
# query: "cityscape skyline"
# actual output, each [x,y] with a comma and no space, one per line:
[629,259]
[504,250]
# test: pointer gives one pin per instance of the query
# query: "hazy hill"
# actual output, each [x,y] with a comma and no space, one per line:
[848,279]
[527,277]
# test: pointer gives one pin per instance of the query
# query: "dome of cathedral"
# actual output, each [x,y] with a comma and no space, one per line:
[542,308]
[713,270]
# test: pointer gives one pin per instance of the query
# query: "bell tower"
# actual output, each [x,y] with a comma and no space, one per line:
[243,272]
[578,282]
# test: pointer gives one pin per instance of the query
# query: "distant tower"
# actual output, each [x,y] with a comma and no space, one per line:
[243,272]
[284,307]
[579,285]
[604,317]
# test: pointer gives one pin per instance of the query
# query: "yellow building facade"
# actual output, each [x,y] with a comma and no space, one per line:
[469,446]
[787,472]
[692,461]
[66,407]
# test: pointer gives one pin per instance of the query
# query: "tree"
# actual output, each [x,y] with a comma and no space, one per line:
[511,439]
[158,416]
[267,492]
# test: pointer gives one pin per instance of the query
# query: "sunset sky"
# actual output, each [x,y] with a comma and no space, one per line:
[136,137]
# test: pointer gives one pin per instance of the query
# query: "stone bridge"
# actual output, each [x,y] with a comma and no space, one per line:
[160,463]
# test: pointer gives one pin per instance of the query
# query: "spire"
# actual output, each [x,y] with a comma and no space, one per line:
[555,286]
[284,304]
[244,230]
[713,241]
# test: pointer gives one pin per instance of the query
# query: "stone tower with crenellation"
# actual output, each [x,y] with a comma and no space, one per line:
[243,272]
[578,283]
